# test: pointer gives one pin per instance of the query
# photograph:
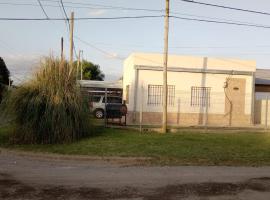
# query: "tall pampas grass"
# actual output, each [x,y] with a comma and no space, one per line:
[49,108]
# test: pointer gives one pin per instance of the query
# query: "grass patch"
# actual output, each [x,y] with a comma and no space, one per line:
[183,148]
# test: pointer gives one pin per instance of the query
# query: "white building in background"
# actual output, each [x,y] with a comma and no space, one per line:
[210,91]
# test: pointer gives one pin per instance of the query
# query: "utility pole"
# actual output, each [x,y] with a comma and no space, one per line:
[165,64]
[81,67]
[62,49]
[71,39]
[78,64]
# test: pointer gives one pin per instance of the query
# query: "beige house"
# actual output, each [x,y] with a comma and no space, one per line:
[201,91]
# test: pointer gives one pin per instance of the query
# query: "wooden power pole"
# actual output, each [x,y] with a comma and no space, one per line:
[81,65]
[165,64]
[62,49]
[78,64]
[71,24]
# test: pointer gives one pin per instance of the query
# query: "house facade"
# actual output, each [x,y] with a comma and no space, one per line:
[201,90]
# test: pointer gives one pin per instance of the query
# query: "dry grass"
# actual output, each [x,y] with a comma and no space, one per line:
[49,108]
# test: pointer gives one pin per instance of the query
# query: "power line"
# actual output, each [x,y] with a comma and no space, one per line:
[24,4]
[64,10]
[151,10]
[98,49]
[138,17]
[67,19]
[222,22]
[184,47]
[43,9]
[125,8]
[177,47]
[80,18]
[227,7]
[86,7]
[106,6]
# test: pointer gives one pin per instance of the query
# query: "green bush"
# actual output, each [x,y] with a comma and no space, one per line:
[49,108]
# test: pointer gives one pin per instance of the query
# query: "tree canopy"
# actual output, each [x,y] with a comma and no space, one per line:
[4,72]
[4,76]
[91,71]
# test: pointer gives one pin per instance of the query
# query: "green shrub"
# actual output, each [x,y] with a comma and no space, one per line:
[49,108]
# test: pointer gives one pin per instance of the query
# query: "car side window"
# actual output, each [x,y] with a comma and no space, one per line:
[117,100]
[108,100]
[112,100]
[95,99]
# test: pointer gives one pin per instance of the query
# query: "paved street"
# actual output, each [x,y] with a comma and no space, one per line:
[28,177]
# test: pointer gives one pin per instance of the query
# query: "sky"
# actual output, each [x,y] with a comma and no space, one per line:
[108,42]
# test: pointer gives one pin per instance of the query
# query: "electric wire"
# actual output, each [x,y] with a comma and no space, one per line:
[67,19]
[226,7]
[102,6]
[42,8]
[98,49]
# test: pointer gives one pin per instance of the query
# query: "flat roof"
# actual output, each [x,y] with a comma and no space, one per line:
[155,60]
[262,77]
[101,84]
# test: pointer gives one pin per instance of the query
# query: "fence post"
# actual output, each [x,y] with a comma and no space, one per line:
[141,108]
[105,110]
[266,113]
[178,111]
[206,114]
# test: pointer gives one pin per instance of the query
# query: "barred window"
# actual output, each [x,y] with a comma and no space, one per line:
[155,94]
[200,96]
[127,94]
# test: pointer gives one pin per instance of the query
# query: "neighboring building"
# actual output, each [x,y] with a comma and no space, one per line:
[90,87]
[262,93]
[262,83]
[201,91]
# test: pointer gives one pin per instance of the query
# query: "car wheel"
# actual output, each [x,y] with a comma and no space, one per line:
[99,114]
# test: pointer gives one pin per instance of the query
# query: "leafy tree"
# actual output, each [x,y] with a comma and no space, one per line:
[91,71]
[4,77]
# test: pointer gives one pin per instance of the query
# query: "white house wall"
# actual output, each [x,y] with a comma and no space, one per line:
[129,79]
[183,81]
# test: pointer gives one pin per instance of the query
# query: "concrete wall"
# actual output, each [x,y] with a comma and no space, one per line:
[190,119]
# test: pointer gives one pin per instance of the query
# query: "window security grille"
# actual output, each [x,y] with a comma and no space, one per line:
[200,96]
[155,94]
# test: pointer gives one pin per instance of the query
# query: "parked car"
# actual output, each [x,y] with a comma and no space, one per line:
[97,104]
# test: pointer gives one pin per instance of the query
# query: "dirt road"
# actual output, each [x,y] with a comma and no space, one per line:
[23,177]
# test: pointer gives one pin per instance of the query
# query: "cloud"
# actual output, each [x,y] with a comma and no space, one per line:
[21,66]
[113,77]
[97,12]
[112,55]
